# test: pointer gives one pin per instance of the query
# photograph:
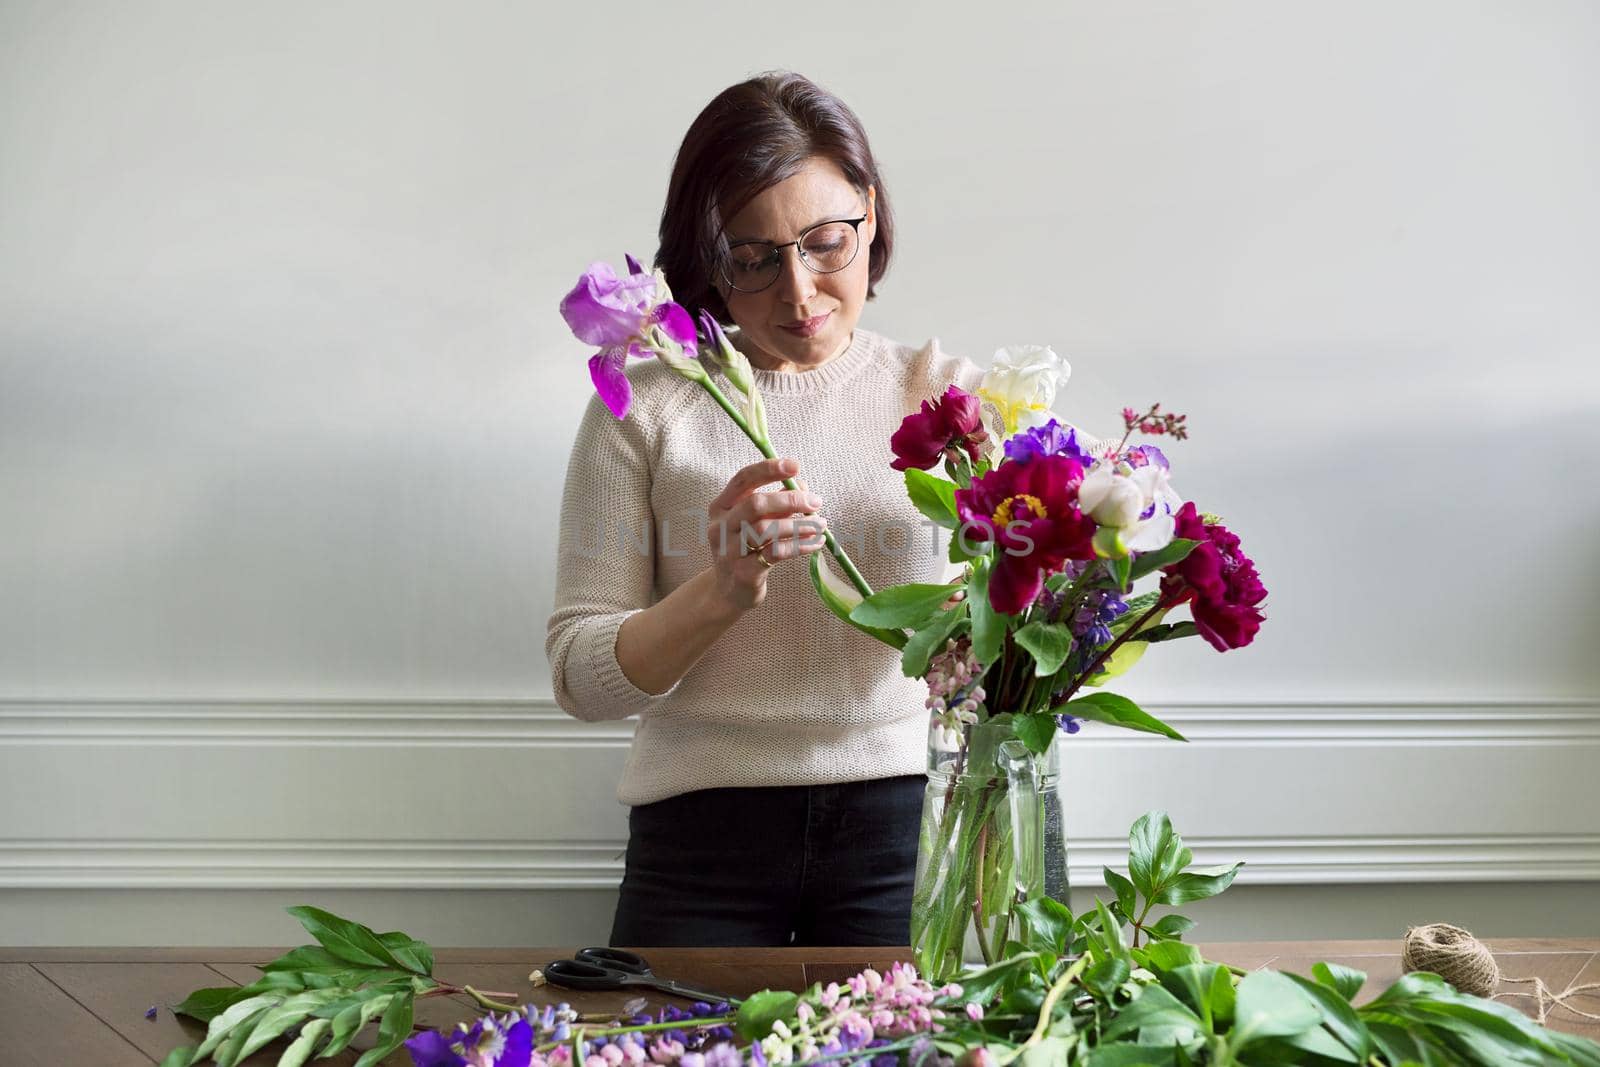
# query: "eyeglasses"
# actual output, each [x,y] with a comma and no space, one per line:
[751,266]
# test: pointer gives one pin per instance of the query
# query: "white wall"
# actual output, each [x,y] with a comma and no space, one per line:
[285,403]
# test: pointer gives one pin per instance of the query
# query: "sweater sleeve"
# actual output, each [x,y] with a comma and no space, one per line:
[603,575]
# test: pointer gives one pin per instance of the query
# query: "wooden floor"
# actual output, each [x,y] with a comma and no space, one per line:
[86,1006]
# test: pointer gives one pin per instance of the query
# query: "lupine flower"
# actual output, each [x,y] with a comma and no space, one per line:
[955,692]
[1030,511]
[1069,723]
[944,427]
[632,316]
[1219,579]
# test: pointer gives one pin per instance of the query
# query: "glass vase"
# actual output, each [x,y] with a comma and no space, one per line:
[992,839]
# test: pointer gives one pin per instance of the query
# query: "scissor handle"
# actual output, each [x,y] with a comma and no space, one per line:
[616,958]
[580,974]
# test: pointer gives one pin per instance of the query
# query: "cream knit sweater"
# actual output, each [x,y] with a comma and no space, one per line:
[789,695]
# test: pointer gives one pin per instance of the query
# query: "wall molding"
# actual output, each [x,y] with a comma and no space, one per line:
[540,722]
[401,864]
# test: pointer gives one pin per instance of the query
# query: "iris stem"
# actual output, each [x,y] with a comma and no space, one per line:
[765,446]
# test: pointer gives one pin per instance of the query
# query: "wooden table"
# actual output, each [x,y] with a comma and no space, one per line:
[87,1005]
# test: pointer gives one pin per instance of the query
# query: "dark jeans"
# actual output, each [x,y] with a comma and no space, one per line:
[773,865]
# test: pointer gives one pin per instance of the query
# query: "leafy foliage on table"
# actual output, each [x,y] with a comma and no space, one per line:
[1112,987]
[329,991]
[1075,991]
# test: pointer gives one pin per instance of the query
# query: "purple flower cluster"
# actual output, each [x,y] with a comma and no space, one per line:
[1090,624]
[870,1011]
[1047,440]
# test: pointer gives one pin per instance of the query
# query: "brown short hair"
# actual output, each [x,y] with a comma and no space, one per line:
[750,137]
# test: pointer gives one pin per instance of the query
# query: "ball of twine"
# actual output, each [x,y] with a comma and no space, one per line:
[1454,955]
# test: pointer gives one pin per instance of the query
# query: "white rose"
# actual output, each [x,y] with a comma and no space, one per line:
[1021,386]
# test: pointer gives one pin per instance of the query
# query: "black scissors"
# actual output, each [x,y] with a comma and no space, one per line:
[614,968]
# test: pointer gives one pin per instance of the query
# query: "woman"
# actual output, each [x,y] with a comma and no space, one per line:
[776,775]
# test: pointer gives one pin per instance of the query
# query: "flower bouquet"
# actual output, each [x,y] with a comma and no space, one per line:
[1054,532]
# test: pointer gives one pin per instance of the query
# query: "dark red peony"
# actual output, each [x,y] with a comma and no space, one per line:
[943,425]
[1030,512]
[1219,580]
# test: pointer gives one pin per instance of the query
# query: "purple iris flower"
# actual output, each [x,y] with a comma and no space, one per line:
[603,309]
[1047,440]
[432,1049]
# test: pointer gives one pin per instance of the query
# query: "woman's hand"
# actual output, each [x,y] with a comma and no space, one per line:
[749,532]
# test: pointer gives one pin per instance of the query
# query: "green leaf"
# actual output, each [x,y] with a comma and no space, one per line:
[1154,1007]
[1171,927]
[312,959]
[957,554]
[934,497]
[1315,1045]
[1172,631]
[1206,989]
[301,1048]
[988,625]
[415,956]
[1198,884]
[1112,931]
[351,1020]
[1338,1016]
[1400,1046]
[1051,1051]
[1049,642]
[1123,1055]
[1119,711]
[179,1057]
[1270,1005]
[840,597]
[1174,552]
[1580,1050]
[1126,895]
[1036,731]
[1346,981]
[1047,923]
[1104,977]
[1151,842]
[982,986]
[223,1025]
[233,1043]
[207,1004]
[345,939]
[1162,956]
[393,1028]
[929,641]
[1137,606]
[761,1010]
[276,1021]
[901,605]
